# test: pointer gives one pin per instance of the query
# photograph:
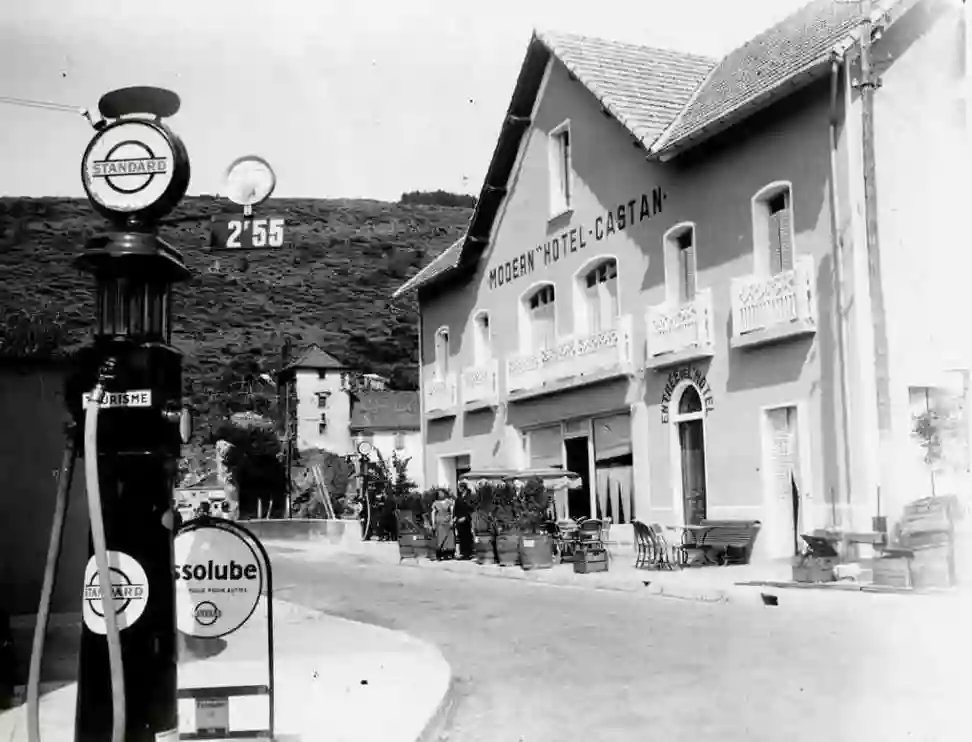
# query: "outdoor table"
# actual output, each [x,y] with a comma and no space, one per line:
[705,550]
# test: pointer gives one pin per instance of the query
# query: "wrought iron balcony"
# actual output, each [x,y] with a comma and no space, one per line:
[772,308]
[679,333]
[576,360]
[480,385]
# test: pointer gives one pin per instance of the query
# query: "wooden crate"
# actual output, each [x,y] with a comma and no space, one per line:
[892,572]
[586,561]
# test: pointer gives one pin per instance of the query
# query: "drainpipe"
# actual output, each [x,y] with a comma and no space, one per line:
[838,253]
[867,85]
[421,385]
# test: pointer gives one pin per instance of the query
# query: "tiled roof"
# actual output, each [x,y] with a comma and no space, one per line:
[317,359]
[444,261]
[386,410]
[763,64]
[642,87]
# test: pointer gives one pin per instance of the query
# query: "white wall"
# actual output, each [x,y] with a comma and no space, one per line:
[337,437]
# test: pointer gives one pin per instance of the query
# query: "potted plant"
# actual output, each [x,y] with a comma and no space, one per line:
[415,537]
[506,526]
[481,501]
[535,544]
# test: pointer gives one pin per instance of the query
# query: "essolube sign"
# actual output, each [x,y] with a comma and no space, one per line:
[218,579]
[214,571]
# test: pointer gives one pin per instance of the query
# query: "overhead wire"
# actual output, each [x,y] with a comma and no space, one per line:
[46,106]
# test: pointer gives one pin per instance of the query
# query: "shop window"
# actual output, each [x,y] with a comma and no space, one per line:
[442,352]
[541,315]
[773,235]
[680,264]
[561,170]
[482,346]
[599,287]
[614,468]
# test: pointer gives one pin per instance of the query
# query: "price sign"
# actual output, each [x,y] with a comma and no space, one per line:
[247,233]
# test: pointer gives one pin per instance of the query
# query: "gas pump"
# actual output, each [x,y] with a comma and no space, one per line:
[124,391]
[361,462]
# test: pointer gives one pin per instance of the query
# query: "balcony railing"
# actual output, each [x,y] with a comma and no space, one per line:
[579,357]
[680,331]
[441,393]
[480,384]
[777,306]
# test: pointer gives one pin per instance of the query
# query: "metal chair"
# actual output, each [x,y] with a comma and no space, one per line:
[644,545]
[669,554]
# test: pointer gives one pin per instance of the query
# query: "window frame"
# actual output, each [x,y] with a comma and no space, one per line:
[582,309]
[526,315]
[441,362]
[675,279]
[482,343]
[760,215]
[561,181]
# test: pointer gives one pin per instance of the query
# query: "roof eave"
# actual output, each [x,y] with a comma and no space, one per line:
[744,109]
[516,123]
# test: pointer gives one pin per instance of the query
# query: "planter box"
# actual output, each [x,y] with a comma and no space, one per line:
[415,545]
[586,561]
[536,551]
[485,548]
[508,549]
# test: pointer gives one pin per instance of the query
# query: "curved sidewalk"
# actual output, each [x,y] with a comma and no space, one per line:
[331,676]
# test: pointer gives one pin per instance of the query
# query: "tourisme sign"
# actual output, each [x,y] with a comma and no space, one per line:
[219,578]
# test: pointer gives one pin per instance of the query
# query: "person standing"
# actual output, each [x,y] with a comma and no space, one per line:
[443,522]
[464,532]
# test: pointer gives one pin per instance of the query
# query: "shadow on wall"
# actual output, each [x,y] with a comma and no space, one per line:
[31,448]
[440,430]
[453,307]
[480,422]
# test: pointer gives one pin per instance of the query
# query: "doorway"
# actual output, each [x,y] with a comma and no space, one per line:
[690,431]
[783,501]
[578,461]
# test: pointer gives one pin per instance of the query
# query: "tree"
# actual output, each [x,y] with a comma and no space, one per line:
[938,429]
[255,464]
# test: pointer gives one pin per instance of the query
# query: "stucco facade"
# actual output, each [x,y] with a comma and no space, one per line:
[781,358]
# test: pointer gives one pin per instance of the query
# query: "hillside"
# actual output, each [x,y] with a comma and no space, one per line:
[330,284]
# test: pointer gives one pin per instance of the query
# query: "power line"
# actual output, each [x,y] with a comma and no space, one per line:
[46,106]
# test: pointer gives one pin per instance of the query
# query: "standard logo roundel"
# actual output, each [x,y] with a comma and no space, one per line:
[131,165]
[129,592]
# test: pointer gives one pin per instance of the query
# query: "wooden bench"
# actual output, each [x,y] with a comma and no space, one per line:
[734,537]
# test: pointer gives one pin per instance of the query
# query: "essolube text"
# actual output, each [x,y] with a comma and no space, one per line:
[210,571]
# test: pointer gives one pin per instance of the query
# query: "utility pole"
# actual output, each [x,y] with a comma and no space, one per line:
[868,84]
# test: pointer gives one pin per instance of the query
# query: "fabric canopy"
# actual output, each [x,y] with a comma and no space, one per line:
[551,478]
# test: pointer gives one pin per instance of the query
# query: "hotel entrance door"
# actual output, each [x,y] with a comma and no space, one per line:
[578,461]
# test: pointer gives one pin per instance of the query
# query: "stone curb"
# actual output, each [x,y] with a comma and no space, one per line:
[438,722]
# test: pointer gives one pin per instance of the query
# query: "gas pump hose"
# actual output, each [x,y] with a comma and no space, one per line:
[104,575]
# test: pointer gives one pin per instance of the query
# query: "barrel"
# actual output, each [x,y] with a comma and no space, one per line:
[485,548]
[508,549]
[536,551]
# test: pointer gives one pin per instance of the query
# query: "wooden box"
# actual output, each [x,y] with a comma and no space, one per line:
[892,572]
[931,568]
[814,569]
[586,560]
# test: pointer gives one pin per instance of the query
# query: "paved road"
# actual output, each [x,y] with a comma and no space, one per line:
[539,663]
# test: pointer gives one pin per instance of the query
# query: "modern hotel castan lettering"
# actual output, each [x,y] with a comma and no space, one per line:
[625,216]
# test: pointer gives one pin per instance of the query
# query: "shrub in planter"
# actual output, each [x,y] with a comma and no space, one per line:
[506,525]
[535,545]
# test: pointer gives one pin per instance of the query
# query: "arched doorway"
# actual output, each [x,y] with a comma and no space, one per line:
[689,430]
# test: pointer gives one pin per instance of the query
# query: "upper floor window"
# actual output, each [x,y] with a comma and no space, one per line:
[542,318]
[600,289]
[773,235]
[399,441]
[680,264]
[442,351]
[561,170]
[322,399]
[482,347]
[322,424]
